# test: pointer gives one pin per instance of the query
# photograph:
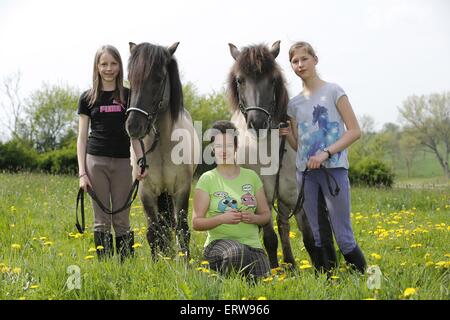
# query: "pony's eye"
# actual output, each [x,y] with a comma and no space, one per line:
[240,80]
[225,201]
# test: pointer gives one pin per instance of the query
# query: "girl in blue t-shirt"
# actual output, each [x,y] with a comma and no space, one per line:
[322,127]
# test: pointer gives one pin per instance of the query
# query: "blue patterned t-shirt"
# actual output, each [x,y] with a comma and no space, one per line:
[319,125]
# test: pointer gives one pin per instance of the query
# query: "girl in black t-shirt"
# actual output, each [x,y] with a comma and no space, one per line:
[104,155]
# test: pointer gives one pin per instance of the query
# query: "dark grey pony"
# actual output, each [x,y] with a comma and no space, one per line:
[155,113]
[259,100]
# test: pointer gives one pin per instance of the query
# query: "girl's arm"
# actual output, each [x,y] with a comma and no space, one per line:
[83,131]
[202,223]
[262,214]
[137,149]
[291,133]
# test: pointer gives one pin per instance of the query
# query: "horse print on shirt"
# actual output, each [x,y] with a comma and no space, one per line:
[318,135]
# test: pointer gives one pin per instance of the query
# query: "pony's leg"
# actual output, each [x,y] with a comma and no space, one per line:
[283,231]
[166,225]
[182,226]
[271,243]
[151,209]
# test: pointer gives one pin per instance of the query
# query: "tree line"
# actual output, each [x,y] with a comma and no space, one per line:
[42,131]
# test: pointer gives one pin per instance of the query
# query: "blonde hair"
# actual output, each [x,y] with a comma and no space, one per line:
[302,44]
[94,92]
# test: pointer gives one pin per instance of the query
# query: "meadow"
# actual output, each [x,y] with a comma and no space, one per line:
[404,232]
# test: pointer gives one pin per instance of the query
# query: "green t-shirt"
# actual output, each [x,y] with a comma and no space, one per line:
[238,193]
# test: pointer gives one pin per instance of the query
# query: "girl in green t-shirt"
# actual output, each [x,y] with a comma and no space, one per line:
[230,204]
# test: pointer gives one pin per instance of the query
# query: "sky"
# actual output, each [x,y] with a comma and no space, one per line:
[380,52]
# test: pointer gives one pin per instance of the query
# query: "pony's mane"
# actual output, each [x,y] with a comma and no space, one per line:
[257,61]
[147,59]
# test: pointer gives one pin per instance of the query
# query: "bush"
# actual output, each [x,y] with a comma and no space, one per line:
[371,172]
[17,155]
[61,161]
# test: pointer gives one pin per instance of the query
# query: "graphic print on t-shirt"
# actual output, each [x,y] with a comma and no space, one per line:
[115,107]
[318,135]
[227,202]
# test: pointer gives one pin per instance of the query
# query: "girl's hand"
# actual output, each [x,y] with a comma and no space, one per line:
[286,131]
[248,217]
[85,182]
[231,217]
[314,162]
[140,176]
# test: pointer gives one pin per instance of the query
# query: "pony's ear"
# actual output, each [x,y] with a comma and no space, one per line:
[173,48]
[235,53]
[132,45]
[275,50]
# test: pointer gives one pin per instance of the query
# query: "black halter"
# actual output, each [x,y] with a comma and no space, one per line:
[244,109]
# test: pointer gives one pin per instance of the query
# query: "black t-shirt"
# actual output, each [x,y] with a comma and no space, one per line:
[108,137]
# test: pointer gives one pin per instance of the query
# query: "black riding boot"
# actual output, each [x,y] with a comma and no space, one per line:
[330,253]
[124,245]
[356,259]
[104,244]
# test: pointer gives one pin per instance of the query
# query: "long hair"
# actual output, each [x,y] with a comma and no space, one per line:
[256,62]
[147,59]
[94,92]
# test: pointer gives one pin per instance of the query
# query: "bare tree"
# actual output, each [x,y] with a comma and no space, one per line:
[12,105]
[428,117]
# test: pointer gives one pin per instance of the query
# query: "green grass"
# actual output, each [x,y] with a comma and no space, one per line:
[405,232]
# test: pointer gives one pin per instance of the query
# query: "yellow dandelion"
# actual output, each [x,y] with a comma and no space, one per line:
[279,253]
[376,256]
[16,246]
[292,235]
[42,238]
[370,299]
[416,245]
[137,245]
[21,298]
[305,266]
[48,243]
[167,258]
[60,254]
[12,225]
[16,270]
[92,250]
[409,292]
[100,247]
[443,264]
[429,264]
[334,277]
[34,286]
[282,277]
[447,255]
[88,257]
[262,298]
[204,262]
[13,209]
[181,254]
[268,279]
